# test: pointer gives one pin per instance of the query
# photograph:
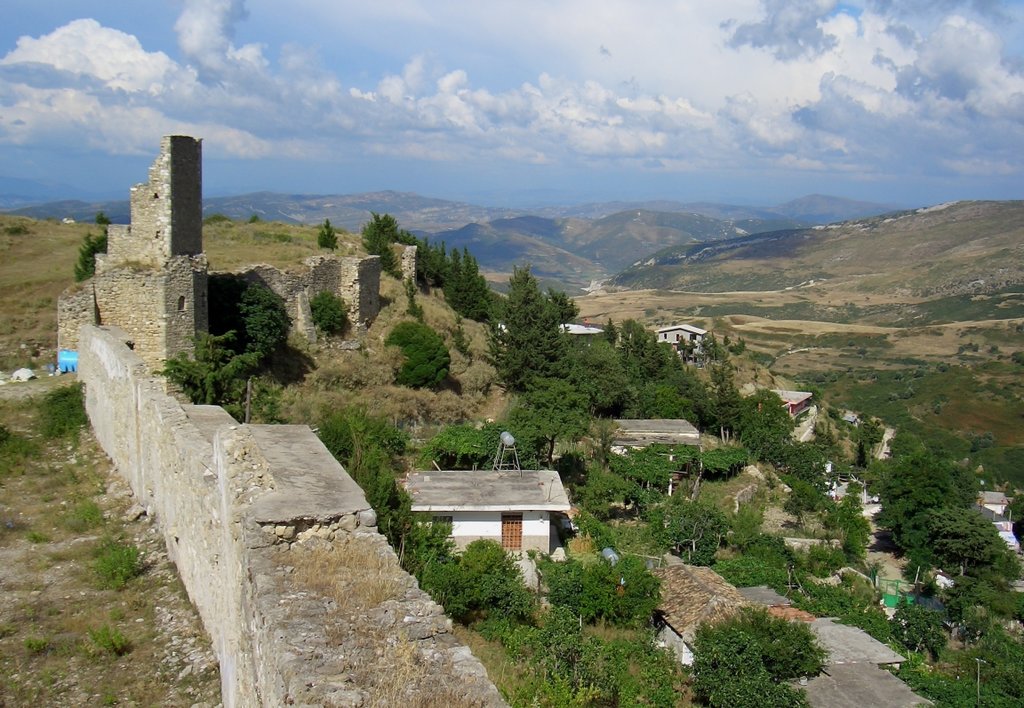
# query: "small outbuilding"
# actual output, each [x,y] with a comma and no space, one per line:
[520,509]
[796,402]
[691,596]
[665,431]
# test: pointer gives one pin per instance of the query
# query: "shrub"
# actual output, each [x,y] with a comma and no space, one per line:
[918,628]
[327,237]
[83,516]
[37,645]
[481,581]
[85,266]
[16,230]
[110,641]
[116,564]
[426,357]
[329,314]
[622,594]
[63,412]
[216,219]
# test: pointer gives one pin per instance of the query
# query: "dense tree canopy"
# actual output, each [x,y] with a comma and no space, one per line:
[527,342]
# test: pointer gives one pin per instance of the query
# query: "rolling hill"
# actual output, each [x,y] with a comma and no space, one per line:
[964,248]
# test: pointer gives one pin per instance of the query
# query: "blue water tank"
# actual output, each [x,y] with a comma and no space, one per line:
[67,361]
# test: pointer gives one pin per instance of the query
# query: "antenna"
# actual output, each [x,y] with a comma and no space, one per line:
[507,458]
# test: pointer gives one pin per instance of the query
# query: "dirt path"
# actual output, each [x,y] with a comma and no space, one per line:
[16,390]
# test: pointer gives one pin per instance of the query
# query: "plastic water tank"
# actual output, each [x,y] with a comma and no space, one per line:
[610,555]
[67,361]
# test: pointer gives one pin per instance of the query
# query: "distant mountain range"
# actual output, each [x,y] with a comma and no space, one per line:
[569,245]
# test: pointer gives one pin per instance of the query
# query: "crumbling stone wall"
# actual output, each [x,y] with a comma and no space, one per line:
[408,263]
[355,280]
[233,502]
[152,280]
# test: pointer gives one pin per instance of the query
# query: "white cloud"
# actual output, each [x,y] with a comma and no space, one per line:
[807,85]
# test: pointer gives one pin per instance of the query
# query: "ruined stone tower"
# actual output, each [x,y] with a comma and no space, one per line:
[152,281]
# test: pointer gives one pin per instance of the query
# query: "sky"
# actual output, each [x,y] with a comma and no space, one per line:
[524,102]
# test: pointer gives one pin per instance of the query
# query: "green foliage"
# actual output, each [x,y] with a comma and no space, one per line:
[16,230]
[964,539]
[624,594]
[803,498]
[465,290]
[764,424]
[255,314]
[462,447]
[15,450]
[213,219]
[725,398]
[266,320]
[326,236]
[744,660]
[595,370]
[482,580]
[116,564]
[329,313]
[378,235]
[83,516]
[85,266]
[528,342]
[847,517]
[724,461]
[918,628]
[109,641]
[426,356]
[216,375]
[912,488]
[554,411]
[749,571]
[413,308]
[693,529]
[62,412]
[37,645]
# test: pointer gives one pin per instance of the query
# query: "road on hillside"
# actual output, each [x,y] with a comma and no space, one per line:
[883,452]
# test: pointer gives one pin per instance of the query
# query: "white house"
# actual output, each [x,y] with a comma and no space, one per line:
[681,333]
[520,510]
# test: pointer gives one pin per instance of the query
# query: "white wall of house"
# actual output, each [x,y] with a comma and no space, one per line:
[467,526]
[668,638]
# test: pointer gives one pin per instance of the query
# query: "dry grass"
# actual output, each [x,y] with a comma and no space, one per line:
[358,573]
[61,505]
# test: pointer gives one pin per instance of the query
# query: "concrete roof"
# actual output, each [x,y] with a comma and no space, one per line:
[990,497]
[487,490]
[308,481]
[667,431]
[860,686]
[851,645]
[764,595]
[581,329]
[685,328]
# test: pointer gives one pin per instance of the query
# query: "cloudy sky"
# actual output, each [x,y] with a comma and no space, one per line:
[909,102]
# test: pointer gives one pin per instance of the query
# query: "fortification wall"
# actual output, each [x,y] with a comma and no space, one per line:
[239,506]
[76,306]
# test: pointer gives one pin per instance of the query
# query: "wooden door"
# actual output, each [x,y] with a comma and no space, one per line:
[512,532]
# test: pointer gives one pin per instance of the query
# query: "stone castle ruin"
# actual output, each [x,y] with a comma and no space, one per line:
[241,506]
[152,281]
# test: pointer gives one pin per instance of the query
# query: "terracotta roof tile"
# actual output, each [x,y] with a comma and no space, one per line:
[692,595]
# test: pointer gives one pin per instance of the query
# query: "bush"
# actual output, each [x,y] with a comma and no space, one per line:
[63,412]
[110,641]
[622,594]
[116,564]
[426,356]
[83,516]
[481,581]
[327,237]
[85,266]
[744,660]
[329,314]
[918,628]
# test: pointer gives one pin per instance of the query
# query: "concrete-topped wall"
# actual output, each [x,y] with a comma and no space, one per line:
[234,502]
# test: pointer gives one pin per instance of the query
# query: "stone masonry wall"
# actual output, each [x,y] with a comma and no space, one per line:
[75,307]
[355,280]
[235,504]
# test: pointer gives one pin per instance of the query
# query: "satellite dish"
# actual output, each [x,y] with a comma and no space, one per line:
[507,440]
